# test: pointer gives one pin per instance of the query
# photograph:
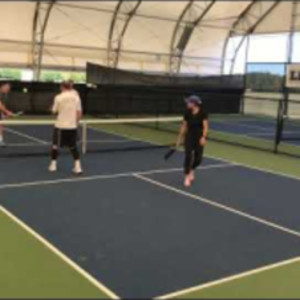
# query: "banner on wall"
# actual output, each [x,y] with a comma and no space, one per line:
[293,76]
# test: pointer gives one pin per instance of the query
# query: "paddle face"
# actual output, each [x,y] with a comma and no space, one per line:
[170,153]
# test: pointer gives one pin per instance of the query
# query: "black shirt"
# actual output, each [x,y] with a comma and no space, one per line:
[195,123]
[3,99]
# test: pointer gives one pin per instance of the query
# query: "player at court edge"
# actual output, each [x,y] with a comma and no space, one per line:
[194,131]
[67,107]
[4,112]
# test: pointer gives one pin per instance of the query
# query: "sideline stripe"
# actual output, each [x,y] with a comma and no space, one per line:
[230,278]
[282,174]
[40,141]
[220,206]
[60,254]
[107,176]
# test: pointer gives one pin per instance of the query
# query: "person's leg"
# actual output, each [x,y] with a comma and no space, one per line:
[54,150]
[54,156]
[76,156]
[72,141]
[1,134]
[188,161]
[198,157]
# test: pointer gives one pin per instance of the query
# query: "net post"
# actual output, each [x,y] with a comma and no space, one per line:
[279,125]
[242,104]
[84,138]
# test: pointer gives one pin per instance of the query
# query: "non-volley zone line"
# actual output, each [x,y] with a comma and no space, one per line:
[106,176]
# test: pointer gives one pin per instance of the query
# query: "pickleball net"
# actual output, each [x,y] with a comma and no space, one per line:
[34,137]
[254,127]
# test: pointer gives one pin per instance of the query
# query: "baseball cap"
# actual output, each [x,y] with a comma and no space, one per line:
[193,99]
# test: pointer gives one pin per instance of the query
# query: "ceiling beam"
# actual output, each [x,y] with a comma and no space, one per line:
[246,25]
[184,30]
[40,21]
[118,27]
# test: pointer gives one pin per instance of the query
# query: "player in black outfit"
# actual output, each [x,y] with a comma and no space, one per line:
[194,129]
[4,112]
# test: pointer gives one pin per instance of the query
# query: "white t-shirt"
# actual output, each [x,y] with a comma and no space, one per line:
[66,106]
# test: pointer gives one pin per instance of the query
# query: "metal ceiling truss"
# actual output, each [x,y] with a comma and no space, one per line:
[246,25]
[123,14]
[188,20]
[295,14]
[41,19]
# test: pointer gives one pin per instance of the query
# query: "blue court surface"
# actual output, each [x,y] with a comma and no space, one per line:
[130,223]
[257,127]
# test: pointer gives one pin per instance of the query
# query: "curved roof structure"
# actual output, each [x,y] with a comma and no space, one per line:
[166,36]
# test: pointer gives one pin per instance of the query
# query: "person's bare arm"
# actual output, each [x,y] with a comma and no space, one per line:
[79,109]
[181,134]
[54,108]
[79,115]
[4,110]
[205,132]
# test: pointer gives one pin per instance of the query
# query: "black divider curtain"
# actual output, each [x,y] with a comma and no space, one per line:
[131,99]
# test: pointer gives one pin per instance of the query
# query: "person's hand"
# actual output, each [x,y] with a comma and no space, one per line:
[9,114]
[203,141]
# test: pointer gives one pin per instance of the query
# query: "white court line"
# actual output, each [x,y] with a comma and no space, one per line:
[32,145]
[263,170]
[26,136]
[228,279]
[220,206]
[60,254]
[106,176]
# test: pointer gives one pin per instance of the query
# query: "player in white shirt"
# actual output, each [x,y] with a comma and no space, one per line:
[67,106]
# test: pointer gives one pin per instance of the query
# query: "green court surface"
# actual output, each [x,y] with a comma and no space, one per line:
[30,270]
[280,283]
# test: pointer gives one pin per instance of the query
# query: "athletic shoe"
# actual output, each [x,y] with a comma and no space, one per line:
[53,166]
[2,144]
[77,170]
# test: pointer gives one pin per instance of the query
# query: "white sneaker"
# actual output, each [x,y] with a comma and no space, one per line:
[77,170]
[53,166]
[2,144]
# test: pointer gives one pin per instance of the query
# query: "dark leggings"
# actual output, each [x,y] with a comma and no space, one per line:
[193,154]
[74,151]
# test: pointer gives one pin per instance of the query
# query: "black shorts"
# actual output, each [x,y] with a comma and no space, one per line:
[64,137]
